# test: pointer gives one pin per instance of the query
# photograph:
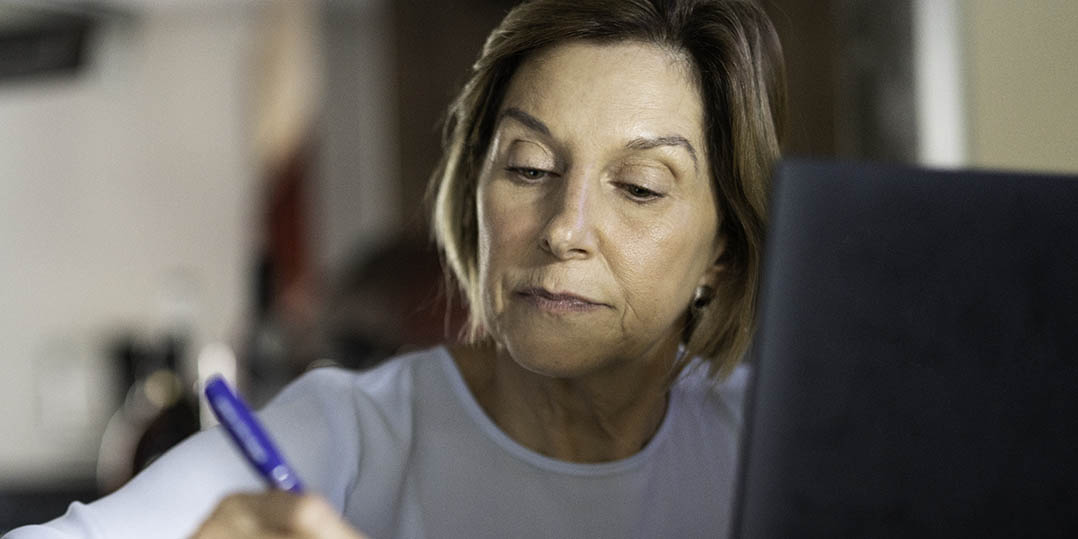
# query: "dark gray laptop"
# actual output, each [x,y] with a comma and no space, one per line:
[917,359]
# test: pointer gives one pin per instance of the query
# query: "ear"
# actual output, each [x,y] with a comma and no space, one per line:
[714,272]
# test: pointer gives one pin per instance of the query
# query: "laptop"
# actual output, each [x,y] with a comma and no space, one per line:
[917,358]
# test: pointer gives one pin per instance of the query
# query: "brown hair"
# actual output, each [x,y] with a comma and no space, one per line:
[737,62]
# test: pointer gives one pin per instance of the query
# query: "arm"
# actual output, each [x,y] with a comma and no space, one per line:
[314,424]
[168,499]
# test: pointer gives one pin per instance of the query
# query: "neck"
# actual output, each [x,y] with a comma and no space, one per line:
[601,416]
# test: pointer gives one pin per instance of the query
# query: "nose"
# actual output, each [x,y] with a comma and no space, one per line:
[570,231]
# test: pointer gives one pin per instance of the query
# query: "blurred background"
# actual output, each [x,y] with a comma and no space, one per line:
[190,186]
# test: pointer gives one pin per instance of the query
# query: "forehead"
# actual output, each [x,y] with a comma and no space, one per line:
[620,90]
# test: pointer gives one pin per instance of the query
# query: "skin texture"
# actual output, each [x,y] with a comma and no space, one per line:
[275,514]
[595,184]
[589,188]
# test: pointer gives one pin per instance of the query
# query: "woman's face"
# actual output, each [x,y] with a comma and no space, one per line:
[597,218]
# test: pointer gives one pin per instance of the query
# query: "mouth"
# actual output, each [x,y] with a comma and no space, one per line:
[558,302]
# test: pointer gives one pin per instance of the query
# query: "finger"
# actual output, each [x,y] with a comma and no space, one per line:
[314,517]
[274,509]
[275,513]
[306,515]
[233,517]
[265,515]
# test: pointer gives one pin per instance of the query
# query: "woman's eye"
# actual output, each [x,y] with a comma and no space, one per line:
[639,193]
[530,174]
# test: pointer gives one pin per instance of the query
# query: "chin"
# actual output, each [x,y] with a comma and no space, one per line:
[554,363]
[556,354]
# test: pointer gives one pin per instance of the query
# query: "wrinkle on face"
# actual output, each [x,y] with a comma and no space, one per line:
[600,110]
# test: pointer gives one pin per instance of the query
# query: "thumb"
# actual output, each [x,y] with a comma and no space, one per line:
[307,515]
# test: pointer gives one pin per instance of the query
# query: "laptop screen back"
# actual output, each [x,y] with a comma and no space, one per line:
[917,357]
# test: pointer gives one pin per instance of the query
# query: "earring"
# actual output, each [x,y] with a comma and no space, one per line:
[703,295]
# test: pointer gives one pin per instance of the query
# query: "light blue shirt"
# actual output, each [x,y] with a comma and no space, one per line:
[404,450]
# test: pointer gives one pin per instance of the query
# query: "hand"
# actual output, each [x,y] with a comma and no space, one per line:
[275,514]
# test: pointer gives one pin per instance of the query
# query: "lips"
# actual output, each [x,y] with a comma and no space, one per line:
[559,301]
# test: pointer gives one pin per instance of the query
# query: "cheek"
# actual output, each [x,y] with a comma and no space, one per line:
[662,263]
[505,228]
[504,223]
[654,273]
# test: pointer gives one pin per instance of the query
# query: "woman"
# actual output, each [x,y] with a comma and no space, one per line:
[601,205]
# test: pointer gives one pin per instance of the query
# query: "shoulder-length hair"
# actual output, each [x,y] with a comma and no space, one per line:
[737,63]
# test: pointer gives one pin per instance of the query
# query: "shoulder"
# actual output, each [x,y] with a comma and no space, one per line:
[330,418]
[388,384]
[346,402]
[720,399]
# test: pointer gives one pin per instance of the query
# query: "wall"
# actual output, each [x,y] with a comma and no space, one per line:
[357,204]
[1021,78]
[126,195]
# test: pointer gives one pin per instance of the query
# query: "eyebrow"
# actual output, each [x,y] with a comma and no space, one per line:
[639,143]
[529,121]
[647,143]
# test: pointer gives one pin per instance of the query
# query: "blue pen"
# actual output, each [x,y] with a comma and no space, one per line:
[251,439]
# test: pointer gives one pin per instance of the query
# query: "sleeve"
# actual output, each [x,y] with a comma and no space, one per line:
[313,422]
